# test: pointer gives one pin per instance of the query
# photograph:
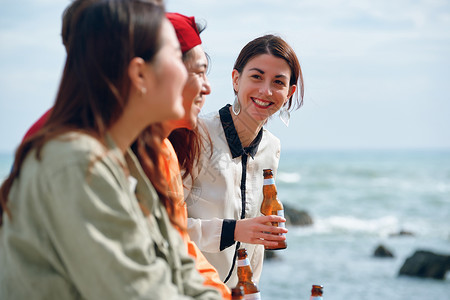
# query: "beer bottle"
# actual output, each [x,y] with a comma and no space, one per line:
[316,292]
[271,205]
[245,274]
[237,293]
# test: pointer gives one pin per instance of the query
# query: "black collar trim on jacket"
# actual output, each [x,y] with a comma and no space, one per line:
[234,143]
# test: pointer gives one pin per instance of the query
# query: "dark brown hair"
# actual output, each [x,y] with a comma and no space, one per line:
[276,46]
[94,86]
[188,145]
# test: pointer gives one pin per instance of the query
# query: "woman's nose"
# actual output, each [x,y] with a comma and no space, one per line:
[206,87]
[265,89]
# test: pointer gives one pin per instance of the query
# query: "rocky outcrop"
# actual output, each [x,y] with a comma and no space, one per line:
[402,233]
[296,217]
[426,264]
[382,251]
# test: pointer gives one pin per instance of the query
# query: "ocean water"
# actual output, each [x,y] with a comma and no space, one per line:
[357,200]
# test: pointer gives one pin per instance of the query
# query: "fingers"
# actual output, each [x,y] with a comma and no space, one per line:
[273,229]
[260,230]
[271,218]
[266,239]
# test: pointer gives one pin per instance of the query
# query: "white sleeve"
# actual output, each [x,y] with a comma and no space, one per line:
[206,233]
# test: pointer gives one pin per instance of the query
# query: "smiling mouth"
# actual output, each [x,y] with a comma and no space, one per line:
[262,103]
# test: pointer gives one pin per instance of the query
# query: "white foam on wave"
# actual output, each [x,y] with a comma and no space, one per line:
[349,224]
[288,177]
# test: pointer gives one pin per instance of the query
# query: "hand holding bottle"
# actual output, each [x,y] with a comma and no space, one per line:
[259,230]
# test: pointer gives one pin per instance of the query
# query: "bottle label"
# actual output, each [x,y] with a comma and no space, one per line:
[269,181]
[255,296]
[243,262]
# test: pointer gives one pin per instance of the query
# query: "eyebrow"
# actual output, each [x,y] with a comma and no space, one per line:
[262,72]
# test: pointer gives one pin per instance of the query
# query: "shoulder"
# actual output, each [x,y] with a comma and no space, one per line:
[73,145]
[69,149]
[210,126]
[211,118]
[270,138]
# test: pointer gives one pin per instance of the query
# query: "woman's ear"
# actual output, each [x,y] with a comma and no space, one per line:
[235,78]
[291,92]
[137,72]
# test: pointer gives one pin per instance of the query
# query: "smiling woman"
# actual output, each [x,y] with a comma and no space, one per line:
[262,88]
[225,194]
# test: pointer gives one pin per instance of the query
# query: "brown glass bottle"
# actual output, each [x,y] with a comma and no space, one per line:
[237,293]
[271,205]
[245,274]
[316,292]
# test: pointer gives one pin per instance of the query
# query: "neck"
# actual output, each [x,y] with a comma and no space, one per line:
[247,127]
[167,129]
[169,126]
[126,129]
[123,135]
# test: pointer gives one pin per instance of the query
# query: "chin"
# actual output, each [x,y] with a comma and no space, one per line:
[260,117]
[178,114]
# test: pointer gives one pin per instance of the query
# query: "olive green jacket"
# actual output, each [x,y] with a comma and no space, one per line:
[77,231]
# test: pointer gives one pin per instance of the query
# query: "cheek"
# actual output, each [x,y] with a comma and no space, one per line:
[191,89]
[282,95]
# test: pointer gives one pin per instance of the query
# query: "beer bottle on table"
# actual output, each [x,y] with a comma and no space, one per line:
[245,274]
[316,292]
[237,292]
[272,206]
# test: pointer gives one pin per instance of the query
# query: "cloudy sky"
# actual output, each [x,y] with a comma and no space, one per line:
[377,73]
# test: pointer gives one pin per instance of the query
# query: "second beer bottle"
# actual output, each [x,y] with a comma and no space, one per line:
[245,276]
[271,205]
[316,292]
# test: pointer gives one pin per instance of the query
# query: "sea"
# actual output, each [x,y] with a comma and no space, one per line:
[358,200]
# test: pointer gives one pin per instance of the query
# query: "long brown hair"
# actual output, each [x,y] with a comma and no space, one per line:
[188,145]
[104,36]
[147,148]
[276,46]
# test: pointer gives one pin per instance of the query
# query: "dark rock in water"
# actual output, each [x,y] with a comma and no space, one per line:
[402,233]
[426,264]
[382,251]
[296,217]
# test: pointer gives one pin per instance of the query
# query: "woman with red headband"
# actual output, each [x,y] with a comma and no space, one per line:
[194,94]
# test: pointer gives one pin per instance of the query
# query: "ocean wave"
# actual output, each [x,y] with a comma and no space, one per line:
[289,177]
[381,227]
[349,224]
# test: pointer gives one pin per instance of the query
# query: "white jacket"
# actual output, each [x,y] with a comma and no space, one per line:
[214,197]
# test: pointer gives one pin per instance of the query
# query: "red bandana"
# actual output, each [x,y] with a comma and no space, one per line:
[186,30]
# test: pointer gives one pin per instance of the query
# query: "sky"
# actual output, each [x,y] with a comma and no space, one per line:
[376,73]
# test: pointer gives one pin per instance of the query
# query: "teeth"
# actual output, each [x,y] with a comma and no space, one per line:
[261,103]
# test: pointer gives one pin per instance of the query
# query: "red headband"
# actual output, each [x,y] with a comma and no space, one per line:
[186,30]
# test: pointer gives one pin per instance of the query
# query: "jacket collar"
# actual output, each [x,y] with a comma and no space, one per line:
[234,143]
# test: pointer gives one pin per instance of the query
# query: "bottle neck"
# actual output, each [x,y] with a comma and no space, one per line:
[269,181]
